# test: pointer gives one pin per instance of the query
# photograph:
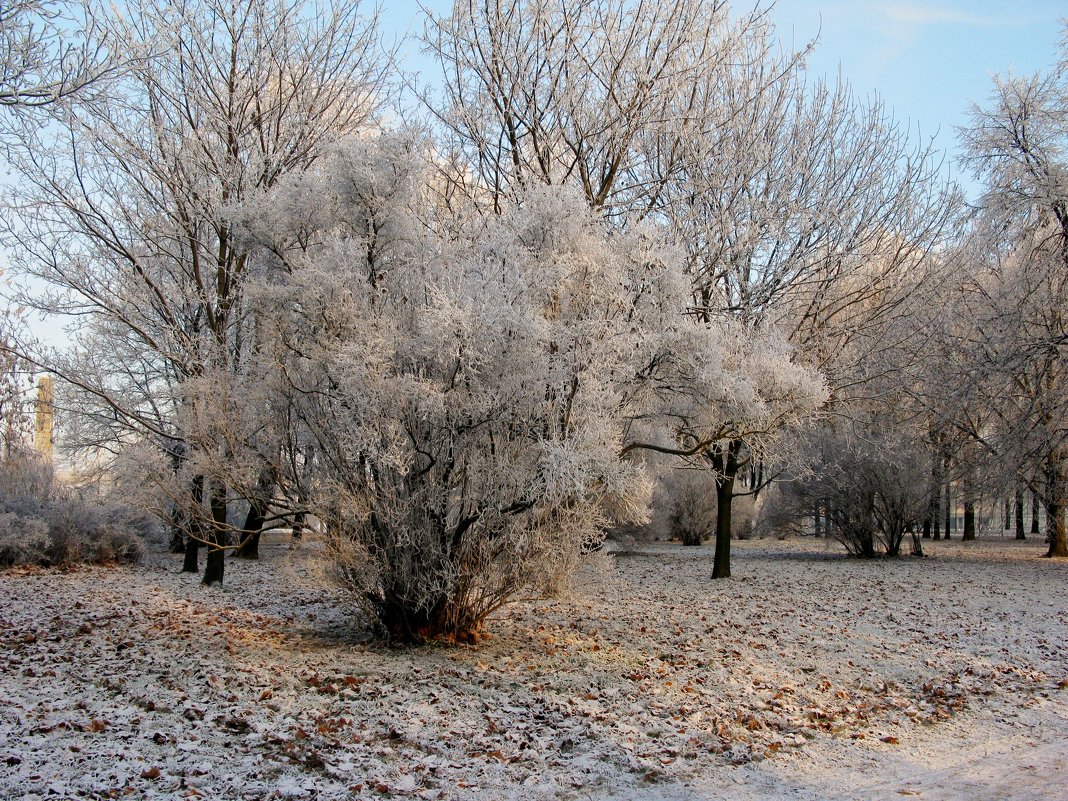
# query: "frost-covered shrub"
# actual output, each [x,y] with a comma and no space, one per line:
[464,379]
[692,515]
[118,545]
[42,522]
[23,540]
[85,529]
[783,514]
[871,488]
[25,480]
[477,389]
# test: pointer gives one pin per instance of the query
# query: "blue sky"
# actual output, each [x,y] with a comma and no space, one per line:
[927,60]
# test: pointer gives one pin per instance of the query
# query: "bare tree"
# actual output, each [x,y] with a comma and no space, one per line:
[120,210]
[1018,288]
[599,94]
[811,213]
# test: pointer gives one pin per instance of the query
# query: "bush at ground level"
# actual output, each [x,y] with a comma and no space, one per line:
[43,522]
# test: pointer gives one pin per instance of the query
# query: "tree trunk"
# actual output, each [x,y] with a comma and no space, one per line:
[949,512]
[1020,515]
[724,492]
[179,529]
[818,529]
[1058,545]
[969,521]
[179,519]
[726,470]
[1055,528]
[194,526]
[298,525]
[932,524]
[1008,513]
[192,553]
[894,535]
[216,563]
[1034,513]
[250,532]
[936,512]
[917,542]
[257,512]
[931,518]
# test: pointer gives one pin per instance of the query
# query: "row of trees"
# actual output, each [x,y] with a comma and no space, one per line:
[618,229]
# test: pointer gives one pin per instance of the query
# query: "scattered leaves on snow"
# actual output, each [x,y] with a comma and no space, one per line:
[140,682]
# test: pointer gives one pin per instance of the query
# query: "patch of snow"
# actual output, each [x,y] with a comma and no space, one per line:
[807,676]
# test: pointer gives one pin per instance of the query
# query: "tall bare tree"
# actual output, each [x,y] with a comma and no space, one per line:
[810,212]
[595,93]
[1017,292]
[122,211]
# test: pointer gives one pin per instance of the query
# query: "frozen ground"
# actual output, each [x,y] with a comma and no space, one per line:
[807,676]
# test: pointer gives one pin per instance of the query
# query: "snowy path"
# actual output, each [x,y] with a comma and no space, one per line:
[1031,773]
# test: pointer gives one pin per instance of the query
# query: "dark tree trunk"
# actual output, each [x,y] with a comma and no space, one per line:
[917,542]
[192,553]
[250,532]
[818,529]
[969,521]
[215,565]
[298,524]
[216,562]
[179,529]
[1055,527]
[1034,513]
[257,512]
[179,519]
[1020,515]
[724,493]
[1058,544]
[894,536]
[194,526]
[931,515]
[1008,514]
[949,512]
[726,460]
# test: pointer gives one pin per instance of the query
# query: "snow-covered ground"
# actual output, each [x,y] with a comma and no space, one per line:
[807,676]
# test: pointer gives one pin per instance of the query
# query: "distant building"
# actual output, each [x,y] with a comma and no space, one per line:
[43,428]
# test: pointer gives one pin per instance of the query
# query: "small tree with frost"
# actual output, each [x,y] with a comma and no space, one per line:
[872,487]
